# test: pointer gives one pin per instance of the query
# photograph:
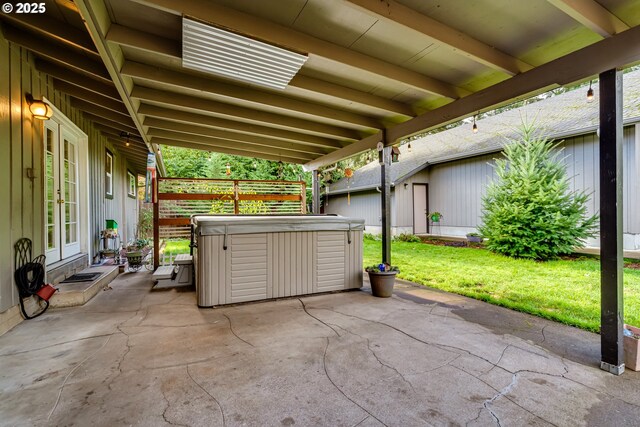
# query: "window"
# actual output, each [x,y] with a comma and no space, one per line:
[108,179]
[132,185]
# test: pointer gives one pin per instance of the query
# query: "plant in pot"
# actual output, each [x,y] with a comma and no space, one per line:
[382,278]
[435,216]
[474,238]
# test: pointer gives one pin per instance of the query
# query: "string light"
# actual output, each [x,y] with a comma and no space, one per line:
[590,92]
[474,128]
[409,147]
[228,172]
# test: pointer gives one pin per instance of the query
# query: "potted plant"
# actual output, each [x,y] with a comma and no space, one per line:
[474,238]
[382,278]
[435,216]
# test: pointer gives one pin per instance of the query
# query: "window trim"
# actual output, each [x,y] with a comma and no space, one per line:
[108,191]
[130,177]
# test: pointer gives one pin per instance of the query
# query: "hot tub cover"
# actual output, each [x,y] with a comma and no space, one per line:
[208,225]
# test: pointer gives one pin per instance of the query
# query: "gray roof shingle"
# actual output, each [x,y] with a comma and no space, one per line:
[557,116]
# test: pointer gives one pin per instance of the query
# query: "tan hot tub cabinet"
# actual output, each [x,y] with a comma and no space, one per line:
[251,258]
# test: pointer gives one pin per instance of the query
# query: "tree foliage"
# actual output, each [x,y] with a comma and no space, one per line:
[529,210]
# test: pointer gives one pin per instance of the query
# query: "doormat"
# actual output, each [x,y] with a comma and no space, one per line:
[81,277]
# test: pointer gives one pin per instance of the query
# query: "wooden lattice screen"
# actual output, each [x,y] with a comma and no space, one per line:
[177,199]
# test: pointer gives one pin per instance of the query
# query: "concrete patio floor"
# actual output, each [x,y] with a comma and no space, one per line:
[132,356]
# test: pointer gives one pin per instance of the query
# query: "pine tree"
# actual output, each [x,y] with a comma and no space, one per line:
[529,210]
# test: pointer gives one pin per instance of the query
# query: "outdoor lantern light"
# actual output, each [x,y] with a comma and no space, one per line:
[40,109]
[395,153]
[590,92]
[474,128]
[228,169]
[409,147]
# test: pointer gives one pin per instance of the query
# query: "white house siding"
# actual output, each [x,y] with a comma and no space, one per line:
[21,150]
[365,205]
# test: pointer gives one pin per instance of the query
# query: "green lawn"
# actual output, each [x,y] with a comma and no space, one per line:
[567,291]
[177,246]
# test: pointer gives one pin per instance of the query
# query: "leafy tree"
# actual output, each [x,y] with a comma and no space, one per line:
[184,162]
[529,211]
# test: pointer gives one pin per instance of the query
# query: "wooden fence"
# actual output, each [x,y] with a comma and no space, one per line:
[177,199]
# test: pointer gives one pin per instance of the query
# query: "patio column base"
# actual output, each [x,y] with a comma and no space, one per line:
[612,369]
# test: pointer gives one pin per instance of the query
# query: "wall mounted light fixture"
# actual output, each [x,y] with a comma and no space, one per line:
[40,109]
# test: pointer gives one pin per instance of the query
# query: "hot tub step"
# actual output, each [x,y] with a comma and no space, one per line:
[163,272]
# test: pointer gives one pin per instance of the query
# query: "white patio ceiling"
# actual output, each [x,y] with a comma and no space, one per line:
[401,66]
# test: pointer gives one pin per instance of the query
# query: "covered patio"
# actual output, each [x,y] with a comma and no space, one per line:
[134,356]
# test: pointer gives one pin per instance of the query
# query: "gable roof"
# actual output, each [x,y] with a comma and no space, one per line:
[558,116]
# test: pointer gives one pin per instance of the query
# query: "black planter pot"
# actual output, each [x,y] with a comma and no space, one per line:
[382,283]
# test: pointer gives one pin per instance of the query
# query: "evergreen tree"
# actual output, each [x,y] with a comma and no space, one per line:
[529,211]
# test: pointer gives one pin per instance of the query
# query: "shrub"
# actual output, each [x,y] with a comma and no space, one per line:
[407,237]
[372,237]
[529,211]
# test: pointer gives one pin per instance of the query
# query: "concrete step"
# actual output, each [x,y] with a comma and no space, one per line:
[183,259]
[75,294]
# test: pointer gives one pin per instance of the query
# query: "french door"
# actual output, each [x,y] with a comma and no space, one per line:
[62,225]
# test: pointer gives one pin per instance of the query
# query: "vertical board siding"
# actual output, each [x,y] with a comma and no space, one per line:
[290,272]
[365,205]
[403,214]
[456,189]
[21,150]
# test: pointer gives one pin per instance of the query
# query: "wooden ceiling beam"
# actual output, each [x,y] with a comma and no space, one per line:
[458,41]
[158,124]
[617,51]
[110,123]
[171,48]
[284,36]
[133,148]
[136,142]
[77,79]
[365,144]
[592,15]
[232,151]
[234,112]
[222,142]
[55,29]
[57,53]
[199,119]
[88,107]
[90,97]
[130,37]
[234,92]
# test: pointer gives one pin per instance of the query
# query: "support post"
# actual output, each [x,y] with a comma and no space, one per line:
[156,224]
[611,261]
[385,185]
[315,192]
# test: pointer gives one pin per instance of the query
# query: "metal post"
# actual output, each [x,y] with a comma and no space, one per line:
[385,185]
[611,262]
[315,192]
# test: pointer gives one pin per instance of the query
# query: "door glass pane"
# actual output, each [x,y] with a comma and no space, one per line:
[70,193]
[51,190]
[50,237]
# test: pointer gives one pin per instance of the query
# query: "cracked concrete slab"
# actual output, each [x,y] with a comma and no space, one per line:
[137,356]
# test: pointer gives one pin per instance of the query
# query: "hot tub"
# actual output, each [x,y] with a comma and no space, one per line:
[251,258]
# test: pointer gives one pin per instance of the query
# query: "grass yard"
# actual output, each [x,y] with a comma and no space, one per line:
[177,246]
[567,291]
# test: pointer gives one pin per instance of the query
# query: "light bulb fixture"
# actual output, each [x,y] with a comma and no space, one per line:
[126,135]
[228,172]
[40,109]
[590,92]
[409,147]
[474,128]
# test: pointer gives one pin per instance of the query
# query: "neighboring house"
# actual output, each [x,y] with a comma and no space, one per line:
[61,178]
[448,171]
